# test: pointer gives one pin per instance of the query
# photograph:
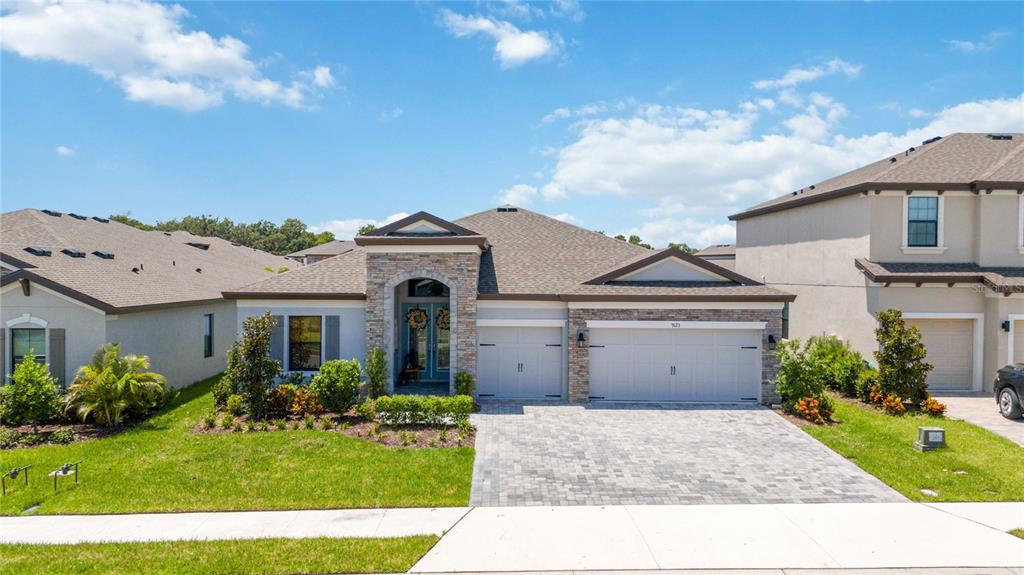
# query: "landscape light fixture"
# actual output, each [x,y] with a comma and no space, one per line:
[581,340]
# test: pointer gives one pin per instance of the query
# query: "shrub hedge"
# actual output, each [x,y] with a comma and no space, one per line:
[426,410]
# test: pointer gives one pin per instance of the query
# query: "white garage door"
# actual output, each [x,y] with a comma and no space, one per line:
[950,345]
[714,365]
[520,362]
[1018,342]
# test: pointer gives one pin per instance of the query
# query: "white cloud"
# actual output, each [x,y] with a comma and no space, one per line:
[795,76]
[710,162]
[65,151]
[986,44]
[513,47]
[696,234]
[568,8]
[392,114]
[557,114]
[347,229]
[145,48]
[916,113]
[518,195]
[567,218]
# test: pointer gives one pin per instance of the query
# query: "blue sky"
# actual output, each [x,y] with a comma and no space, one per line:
[650,118]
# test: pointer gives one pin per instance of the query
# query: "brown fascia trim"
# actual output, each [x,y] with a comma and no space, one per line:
[421,215]
[11,260]
[57,287]
[857,189]
[669,253]
[783,298]
[517,297]
[292,295]
[474,240]
[925,278]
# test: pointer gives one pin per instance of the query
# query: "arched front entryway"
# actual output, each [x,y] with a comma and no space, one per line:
[419,323]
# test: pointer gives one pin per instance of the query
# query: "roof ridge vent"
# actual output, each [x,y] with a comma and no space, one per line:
[199,245]
[931,140]
[507,208]
[103,255]
[1000,137]
[52,213]
[77,216]
[73,253]
[38,251]
[100,220]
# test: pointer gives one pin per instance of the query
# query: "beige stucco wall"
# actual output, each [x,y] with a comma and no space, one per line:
[85,328]
[810,251]
[959,229]
[997,230]
[173,339]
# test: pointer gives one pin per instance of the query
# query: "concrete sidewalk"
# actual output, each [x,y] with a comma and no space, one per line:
[789,536]
[229,525]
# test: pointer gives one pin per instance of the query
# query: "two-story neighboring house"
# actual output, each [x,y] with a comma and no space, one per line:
[936,231]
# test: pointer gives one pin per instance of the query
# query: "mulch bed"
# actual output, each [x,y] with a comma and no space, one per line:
[399,437]
[83,431]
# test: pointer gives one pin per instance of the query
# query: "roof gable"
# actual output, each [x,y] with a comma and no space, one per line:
[421,223]
[670,265]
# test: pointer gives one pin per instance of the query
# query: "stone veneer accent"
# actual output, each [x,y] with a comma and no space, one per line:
[579,374]
[458,271]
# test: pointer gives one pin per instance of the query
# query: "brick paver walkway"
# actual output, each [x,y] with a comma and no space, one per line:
[557,454]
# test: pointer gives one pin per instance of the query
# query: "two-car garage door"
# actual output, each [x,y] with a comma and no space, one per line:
[645,364]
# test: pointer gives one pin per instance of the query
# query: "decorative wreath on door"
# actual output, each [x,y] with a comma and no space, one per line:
[417,318]
[444,318]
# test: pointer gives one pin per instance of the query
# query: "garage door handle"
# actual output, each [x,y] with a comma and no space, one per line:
[749,347]
[486,345]
[553,345]
[596,346]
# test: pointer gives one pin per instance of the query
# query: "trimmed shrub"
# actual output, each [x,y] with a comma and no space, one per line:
[280,400]
[376,372]
[424,410]
[816,410]
[893,404]
[8,437]
[31,396]
[225,387]
[337,384]
[112,387]
[866,380]
[62,436]
[234,405]
[250,366]
[367,410]
[306,403]
[228,421]
[902,369]
[835,363]
[465,383]
[933,407]
[797,378]
[296,378]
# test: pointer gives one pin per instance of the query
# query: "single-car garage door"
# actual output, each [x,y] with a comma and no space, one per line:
[950,345]
[645,364]
[520,362]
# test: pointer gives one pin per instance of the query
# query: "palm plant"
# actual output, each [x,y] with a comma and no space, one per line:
[112,386]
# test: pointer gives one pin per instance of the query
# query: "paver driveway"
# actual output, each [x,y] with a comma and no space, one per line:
[557,454]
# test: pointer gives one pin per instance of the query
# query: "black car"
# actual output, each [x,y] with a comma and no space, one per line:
[1009,388]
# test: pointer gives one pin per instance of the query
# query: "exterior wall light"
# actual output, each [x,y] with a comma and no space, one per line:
[772,341]
[1006,326]
[581,340]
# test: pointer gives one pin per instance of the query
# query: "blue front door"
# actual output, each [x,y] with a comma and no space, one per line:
[425,343]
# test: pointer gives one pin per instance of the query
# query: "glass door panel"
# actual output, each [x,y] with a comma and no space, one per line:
[442,345]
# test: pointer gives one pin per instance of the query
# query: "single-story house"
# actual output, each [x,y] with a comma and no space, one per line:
[534,307]
[721,254]
[322,251]
[70,283]
[936,231]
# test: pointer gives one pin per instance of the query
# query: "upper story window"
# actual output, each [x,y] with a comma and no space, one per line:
[923,222]
[304,337]
[208,335]
[28,340]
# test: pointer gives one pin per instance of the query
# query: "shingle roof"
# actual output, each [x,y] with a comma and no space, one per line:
[165,262]
[1000,279]
[719,250]
[959,161]
[529,256]
[326,249]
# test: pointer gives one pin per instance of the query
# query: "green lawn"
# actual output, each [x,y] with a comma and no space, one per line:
[263,556]
[162,466]
[989,466]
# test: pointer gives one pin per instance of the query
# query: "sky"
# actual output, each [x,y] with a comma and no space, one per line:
[656,119]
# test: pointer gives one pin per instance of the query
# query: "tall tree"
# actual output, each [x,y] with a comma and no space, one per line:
[367,229]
